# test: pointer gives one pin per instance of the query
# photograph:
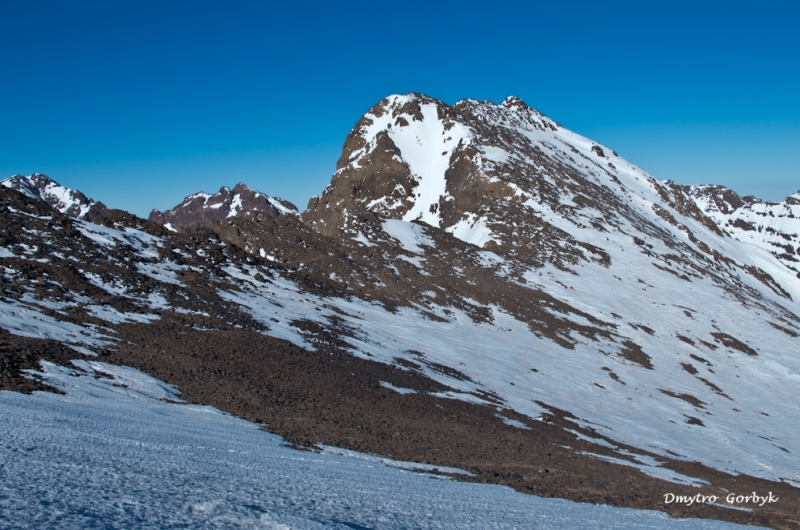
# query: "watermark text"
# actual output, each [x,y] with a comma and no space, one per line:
[730,498]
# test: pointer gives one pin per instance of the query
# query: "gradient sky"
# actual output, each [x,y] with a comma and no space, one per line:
[139,103]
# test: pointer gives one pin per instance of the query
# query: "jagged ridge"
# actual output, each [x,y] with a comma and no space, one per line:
[67,201]
[769,225]
[201,208]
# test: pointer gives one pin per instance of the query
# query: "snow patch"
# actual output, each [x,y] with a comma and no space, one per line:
[473,230]
[109,314]
[398,389]
[409,235]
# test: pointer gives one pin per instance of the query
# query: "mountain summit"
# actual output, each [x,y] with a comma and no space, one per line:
[200,208]
[507,178]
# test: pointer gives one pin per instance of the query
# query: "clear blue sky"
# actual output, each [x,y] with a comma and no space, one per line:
[140,103]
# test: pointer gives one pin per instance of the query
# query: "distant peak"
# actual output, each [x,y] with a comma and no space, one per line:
[70,202]
[242,201]
[513,102]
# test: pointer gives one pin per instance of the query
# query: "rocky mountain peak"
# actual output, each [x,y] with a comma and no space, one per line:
[502,177]
[201,208]
[70,202]
[508,179]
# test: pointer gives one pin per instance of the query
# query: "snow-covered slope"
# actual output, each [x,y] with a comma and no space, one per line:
[115,451]
[774,227]
[200,208]
[67,201]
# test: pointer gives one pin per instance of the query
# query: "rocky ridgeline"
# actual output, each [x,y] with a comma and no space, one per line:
[774,226]
[70,202]
[196,210]
[507,178]
[201,208]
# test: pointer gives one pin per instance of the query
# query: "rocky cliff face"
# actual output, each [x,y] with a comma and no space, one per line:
[201,208]
[70,202]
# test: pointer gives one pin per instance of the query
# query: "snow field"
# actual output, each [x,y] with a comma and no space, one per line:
[113,456]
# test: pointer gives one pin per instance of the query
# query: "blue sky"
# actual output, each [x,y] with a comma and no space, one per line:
[139,103]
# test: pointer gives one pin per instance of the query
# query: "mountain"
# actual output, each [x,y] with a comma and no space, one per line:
[67,201]
[478,288]
[772,226]
[505,178]
[201,208]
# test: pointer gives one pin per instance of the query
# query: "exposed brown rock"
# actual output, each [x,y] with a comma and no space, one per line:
[201,208]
